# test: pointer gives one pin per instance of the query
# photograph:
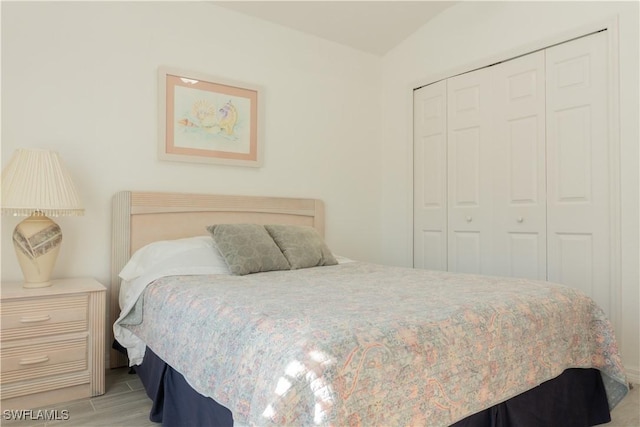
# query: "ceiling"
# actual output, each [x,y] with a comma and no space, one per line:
[371,26]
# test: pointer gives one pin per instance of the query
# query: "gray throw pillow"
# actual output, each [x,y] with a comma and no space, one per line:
[302,246]
[248,248]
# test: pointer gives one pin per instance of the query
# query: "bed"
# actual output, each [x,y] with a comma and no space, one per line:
[324,340]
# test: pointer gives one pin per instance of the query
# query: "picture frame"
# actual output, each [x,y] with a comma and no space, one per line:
[208,119]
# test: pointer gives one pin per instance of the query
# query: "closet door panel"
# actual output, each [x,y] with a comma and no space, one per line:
[466,245]
[465,145]
[469,168]
[574,260]
[519,167]
[524,251]
[430,177]
[578,166]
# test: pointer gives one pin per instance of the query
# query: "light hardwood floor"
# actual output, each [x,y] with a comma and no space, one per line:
[125,404]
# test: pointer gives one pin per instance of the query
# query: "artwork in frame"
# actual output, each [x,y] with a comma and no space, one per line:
[207,119]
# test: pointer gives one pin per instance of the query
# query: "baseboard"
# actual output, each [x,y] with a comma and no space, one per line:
[633,374]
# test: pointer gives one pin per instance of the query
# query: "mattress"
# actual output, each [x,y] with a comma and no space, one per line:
[360,343]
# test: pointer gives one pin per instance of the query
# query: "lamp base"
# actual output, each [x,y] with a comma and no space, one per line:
[34,285]
[37,242]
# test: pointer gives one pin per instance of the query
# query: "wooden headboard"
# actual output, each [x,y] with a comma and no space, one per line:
[139,218]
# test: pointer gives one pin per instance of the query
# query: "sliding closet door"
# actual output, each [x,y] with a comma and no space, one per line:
[518,165]
[578,216]
[430,177]
[469,165]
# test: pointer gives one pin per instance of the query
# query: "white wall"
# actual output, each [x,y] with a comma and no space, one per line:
[462,38]
[81,78]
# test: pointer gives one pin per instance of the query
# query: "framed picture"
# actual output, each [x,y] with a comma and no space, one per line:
[207,119]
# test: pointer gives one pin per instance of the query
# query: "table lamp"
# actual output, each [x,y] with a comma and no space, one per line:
[35,184]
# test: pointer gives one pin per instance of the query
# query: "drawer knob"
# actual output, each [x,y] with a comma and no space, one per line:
[33,360]
[34,319]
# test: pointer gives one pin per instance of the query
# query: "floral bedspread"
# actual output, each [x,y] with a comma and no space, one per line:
[364,344]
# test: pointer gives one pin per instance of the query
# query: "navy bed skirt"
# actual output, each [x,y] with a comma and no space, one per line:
[577,398]
[175,403]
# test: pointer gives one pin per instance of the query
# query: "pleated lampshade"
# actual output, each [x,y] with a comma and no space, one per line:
[37,180]
[36,184]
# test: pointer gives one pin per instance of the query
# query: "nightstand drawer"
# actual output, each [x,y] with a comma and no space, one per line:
[43,316]
[51,357]
[51,342]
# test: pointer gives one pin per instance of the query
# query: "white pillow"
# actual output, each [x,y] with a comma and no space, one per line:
[342,259]
[197,255]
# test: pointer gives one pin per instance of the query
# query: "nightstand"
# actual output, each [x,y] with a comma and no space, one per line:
[52,342]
